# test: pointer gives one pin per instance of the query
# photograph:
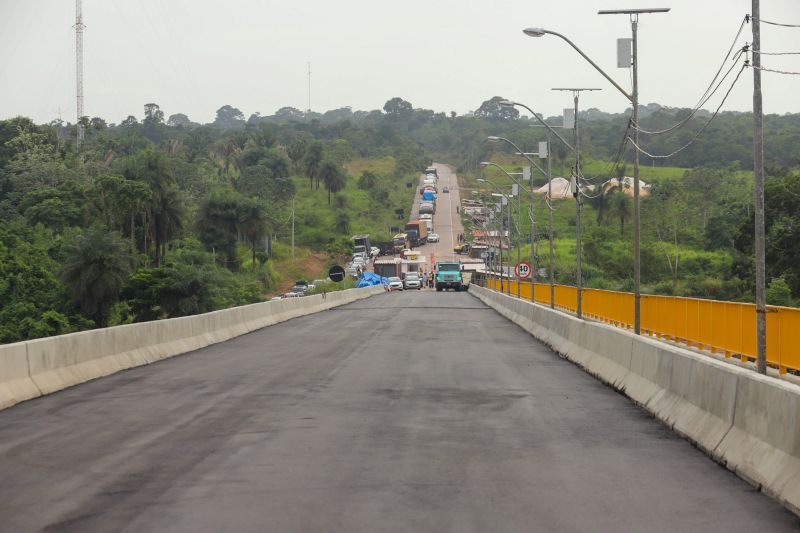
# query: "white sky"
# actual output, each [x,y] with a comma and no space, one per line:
[193,56]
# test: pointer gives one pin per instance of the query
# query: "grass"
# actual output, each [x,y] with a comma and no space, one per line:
[371,212]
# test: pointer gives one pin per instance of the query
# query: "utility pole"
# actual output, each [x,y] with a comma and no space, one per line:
[79,26]
[550,221]
[637,256]
[309,86]
[576,192]
[292,229]
[758,164]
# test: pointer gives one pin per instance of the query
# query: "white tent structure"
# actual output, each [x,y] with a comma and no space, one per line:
[627,186]
[560,187]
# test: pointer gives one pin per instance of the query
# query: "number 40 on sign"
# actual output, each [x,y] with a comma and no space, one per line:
[522,270]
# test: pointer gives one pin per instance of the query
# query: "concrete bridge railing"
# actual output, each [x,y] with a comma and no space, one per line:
[42,366]
[748,422]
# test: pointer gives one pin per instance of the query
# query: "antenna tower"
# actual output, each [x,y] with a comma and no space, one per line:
[309,86]
[79,66]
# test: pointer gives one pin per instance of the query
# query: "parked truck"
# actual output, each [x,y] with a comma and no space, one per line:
[418,232]
[362,244]
[427,208]
[400,242]
[448,276]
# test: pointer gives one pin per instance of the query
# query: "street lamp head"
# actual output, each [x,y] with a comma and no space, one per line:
[482,181]
[493,138]
[534,32]
[507,103]
[485,163]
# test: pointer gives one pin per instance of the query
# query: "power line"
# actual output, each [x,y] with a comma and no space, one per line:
[706,96]
[777,71]
[775,23]
[776,53]
[710,120]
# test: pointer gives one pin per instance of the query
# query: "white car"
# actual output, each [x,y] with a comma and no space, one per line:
[433,237]
[426,216]
[358,260]
[412,281]
[396,284]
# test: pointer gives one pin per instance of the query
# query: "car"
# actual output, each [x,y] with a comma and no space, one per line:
[412,281]
[279,297]
[299,289]
[405,252]
[360,256]
[446,190]
[433,237]
[395,283]
[293,295]
[359,260]
[375,251]
[426,216]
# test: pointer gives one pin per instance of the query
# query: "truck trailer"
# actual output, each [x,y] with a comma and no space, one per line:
[362,244]
[419,228]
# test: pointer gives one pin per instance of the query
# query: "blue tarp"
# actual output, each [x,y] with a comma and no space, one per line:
[370,279]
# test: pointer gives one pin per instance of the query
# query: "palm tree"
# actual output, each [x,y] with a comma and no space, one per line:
[312,161]
[98,264]
[332,176]
[253,221]
[619,206]
[168,218]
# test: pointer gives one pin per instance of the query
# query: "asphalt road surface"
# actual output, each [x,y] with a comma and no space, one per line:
[446,222]
[405,412]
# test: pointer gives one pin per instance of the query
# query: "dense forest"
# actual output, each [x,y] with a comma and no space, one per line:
[160,216]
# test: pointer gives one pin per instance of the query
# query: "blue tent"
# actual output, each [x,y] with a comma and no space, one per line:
[370,279]
[428,196]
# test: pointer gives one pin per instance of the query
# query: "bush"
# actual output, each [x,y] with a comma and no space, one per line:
[779,293]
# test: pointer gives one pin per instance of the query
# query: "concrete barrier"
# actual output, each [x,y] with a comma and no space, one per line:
[42,366]
[748,422]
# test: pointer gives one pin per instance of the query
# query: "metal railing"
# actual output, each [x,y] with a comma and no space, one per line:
[721,327]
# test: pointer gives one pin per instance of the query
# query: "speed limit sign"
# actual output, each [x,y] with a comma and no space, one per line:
[522,270]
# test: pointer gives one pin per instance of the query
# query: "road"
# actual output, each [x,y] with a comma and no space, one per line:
[417,411]
[446,222]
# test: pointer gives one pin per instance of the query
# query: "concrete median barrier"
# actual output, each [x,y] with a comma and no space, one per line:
[42,366]
[747,422]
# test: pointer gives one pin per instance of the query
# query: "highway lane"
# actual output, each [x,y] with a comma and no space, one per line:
[446,222]
[417,411]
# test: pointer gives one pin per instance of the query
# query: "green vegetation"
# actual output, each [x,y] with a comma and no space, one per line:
[166,217]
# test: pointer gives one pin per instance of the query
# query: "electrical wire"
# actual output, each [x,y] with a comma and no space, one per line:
[704,99]
[776,53]
[700,132]
[775,23]
[777,71]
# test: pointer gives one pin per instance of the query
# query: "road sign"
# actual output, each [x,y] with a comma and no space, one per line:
[336,273]
[522,270]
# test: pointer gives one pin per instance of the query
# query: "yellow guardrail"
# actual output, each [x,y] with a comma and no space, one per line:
[720,327]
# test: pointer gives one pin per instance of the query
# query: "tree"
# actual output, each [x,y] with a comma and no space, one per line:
[342,223]
[289,113]
[178,120]
[296,151]
[253,222]
[153,115]
[492,110]
[312,161]
[218,223]
[229,117]
[619,206]
[95,270]
[333,177]
[398,107]
[368,180]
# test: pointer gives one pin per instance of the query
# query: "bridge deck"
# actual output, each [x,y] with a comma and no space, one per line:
[414,411]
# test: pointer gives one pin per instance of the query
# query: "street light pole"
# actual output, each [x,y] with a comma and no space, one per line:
[531,211]
[510,203]
[550,222]
[577,194]
[634,99]
[485,164]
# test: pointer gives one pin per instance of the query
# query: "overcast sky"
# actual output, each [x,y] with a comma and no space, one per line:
[193,56]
